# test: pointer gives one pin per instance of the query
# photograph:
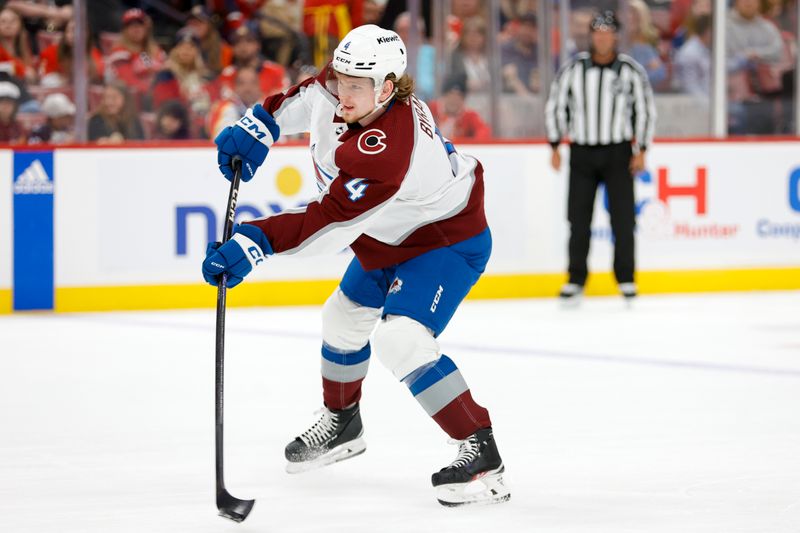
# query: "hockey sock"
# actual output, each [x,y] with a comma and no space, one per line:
[442,392]
[342,374]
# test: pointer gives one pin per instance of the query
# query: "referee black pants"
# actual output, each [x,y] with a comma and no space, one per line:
[589,166]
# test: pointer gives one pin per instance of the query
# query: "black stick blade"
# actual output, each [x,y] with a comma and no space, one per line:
[233,508]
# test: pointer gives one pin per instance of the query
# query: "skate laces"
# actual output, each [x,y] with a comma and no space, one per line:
[468,450]
[322,430]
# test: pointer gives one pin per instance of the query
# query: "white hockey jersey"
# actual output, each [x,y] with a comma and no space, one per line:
[391,190]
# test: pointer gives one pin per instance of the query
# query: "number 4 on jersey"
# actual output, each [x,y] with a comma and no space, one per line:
[356,188]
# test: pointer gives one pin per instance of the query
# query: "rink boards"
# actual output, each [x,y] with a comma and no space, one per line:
[126,228]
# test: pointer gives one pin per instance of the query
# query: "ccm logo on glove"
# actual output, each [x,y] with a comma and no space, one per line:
[257,129]
[247,248]
[255,255]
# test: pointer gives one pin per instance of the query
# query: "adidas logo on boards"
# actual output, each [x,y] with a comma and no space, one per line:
[33,180]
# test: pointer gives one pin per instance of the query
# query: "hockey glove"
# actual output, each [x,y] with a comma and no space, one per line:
[247,248]
[250,138]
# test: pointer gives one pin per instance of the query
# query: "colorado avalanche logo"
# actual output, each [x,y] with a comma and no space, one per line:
[397,284]
[371,142]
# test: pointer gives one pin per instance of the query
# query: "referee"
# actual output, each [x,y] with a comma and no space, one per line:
[603,102]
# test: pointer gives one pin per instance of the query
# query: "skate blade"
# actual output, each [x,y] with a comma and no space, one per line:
[340,453]
[486,490]
[572,302]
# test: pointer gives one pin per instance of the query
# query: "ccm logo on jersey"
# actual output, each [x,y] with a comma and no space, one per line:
[371,142]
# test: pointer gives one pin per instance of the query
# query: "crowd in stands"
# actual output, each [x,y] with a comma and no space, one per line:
[184,69]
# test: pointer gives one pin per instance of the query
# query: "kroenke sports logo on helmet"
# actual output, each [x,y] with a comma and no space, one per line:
[371,142]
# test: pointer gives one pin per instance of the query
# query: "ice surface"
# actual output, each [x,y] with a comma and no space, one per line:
[681,415]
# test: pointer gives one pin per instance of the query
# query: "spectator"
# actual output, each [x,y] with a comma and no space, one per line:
[60,125]
[693,61]
[216,53]
[469,58]
[52,15]
[137,57]
[325,22]
[643,37]
[168,22]
[519,57]
[116,120]
[184,76]
[172,121]
[246,92]
[425,76]
[26,102]
[55,61]
[11,131]
[279,29]
[754,50]
[15,49]
[465,9]
[683,19]
[579,37]
[782,13]
[372,12]
[247,53]
[246,9]
[454,118]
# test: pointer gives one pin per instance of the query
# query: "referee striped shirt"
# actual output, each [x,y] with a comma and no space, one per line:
[596,105]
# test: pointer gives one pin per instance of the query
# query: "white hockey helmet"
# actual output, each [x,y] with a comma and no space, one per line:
[370,51]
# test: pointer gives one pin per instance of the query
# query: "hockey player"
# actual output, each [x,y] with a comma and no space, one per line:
[411,208]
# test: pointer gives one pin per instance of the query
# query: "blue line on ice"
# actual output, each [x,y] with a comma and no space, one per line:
[507,350]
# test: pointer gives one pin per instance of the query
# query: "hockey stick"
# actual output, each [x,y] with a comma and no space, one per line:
[229,506]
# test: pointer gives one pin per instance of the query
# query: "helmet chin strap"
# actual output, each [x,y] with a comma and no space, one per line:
[378,90]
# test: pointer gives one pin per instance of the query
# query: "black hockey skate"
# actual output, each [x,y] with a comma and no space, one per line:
[336,436]
[476,475]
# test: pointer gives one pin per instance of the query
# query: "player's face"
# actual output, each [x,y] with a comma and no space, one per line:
[357,96]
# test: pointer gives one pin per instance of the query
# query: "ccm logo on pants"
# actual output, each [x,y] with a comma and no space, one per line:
[436,299]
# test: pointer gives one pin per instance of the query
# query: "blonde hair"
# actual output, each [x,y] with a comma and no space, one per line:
[402,87]
[647,31]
